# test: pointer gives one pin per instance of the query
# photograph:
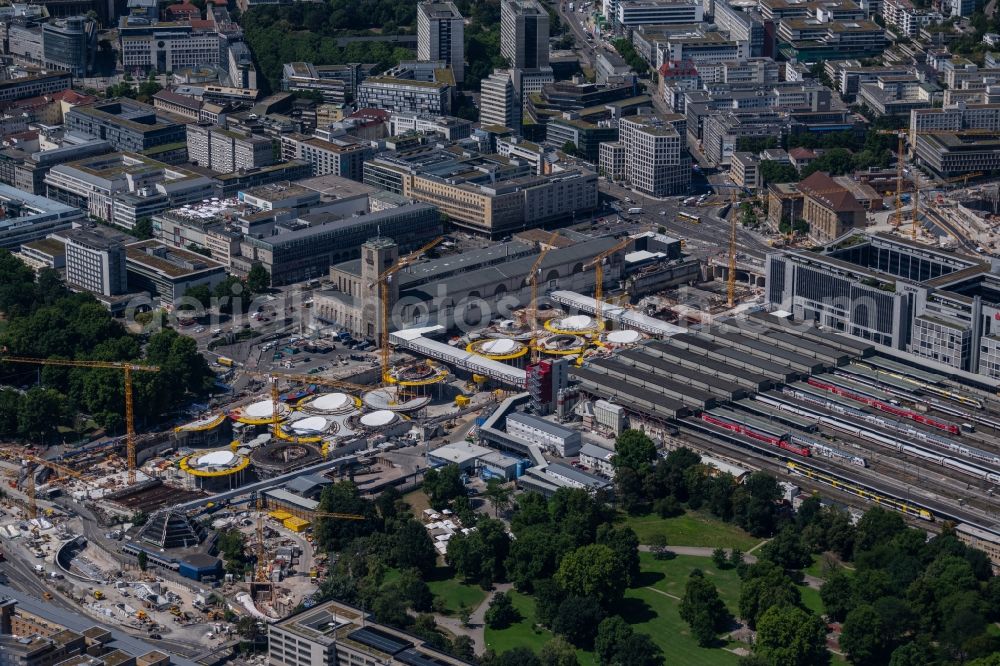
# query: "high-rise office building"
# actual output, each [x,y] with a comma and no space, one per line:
[441,35]
[95,263]
[499,102]
[524,34]
[657,162]
[70,44]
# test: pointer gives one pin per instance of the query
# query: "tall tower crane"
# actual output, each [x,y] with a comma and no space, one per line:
[29,490]
[382,284]
[912,134]
[533,305]
[598,264]
[128,369]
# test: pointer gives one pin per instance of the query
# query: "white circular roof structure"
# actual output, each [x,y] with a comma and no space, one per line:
[500,346]
[215,458]
[382,417]
[309,425]
[259,410]
[624,337]
[331,402]
[576,323]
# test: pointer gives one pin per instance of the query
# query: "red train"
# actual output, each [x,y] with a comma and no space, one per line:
[781,442]
[882,406]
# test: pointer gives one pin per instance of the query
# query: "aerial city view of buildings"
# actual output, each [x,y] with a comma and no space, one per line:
[499,332]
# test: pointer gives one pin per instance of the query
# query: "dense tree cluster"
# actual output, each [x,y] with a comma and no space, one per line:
[43,319]
[310,31]
[628,53]
[907,590]
[645,482]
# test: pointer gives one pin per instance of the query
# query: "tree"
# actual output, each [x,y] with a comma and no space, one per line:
[790,636]
[593,571]
[548,597]
[143,229]
[658,546]
[787,550]
[463,647]
[638,650]
[40,412]
[754,504]
[569,148]
[777,172]
[332,534]
[414,548]
[143,560]
[875,527]
[390,608]
[498,495]
[735,557]
[519,656]
[443,485]
[702,608]
[258,279]
[576,619]
[535,555]
[911,654]
[501,612]
[633,448]
[557,652]
[611,633]
[864,637]
[479,556]
[719,558]
[765,585]
[625,544]
[837,594]
[200,293]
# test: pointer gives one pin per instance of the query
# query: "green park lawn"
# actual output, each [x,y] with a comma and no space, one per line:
[691,529]
[524,633]
[443,584]
[820,569]
[811,599]
[647,606]
[671,576]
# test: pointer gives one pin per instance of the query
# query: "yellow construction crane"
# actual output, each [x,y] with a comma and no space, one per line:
[260,571]
[598,264]
[382,284]
[128,369]
[532,317]
[29,489]
[912,134]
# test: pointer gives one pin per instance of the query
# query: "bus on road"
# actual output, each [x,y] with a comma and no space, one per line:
[684,216]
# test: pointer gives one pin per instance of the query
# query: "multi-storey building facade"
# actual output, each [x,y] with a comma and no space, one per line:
[938,305]
[524,34]
[341,156]
[657,12]
[95,263]
[500,103]
[125,123]
[167,46]
[657,162]
[406,95]
[441,35]
[225,151]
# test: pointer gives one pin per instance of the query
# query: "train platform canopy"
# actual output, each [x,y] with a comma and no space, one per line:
[624,317]
[414,340]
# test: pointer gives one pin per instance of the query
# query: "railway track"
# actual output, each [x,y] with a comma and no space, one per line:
[866,484]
